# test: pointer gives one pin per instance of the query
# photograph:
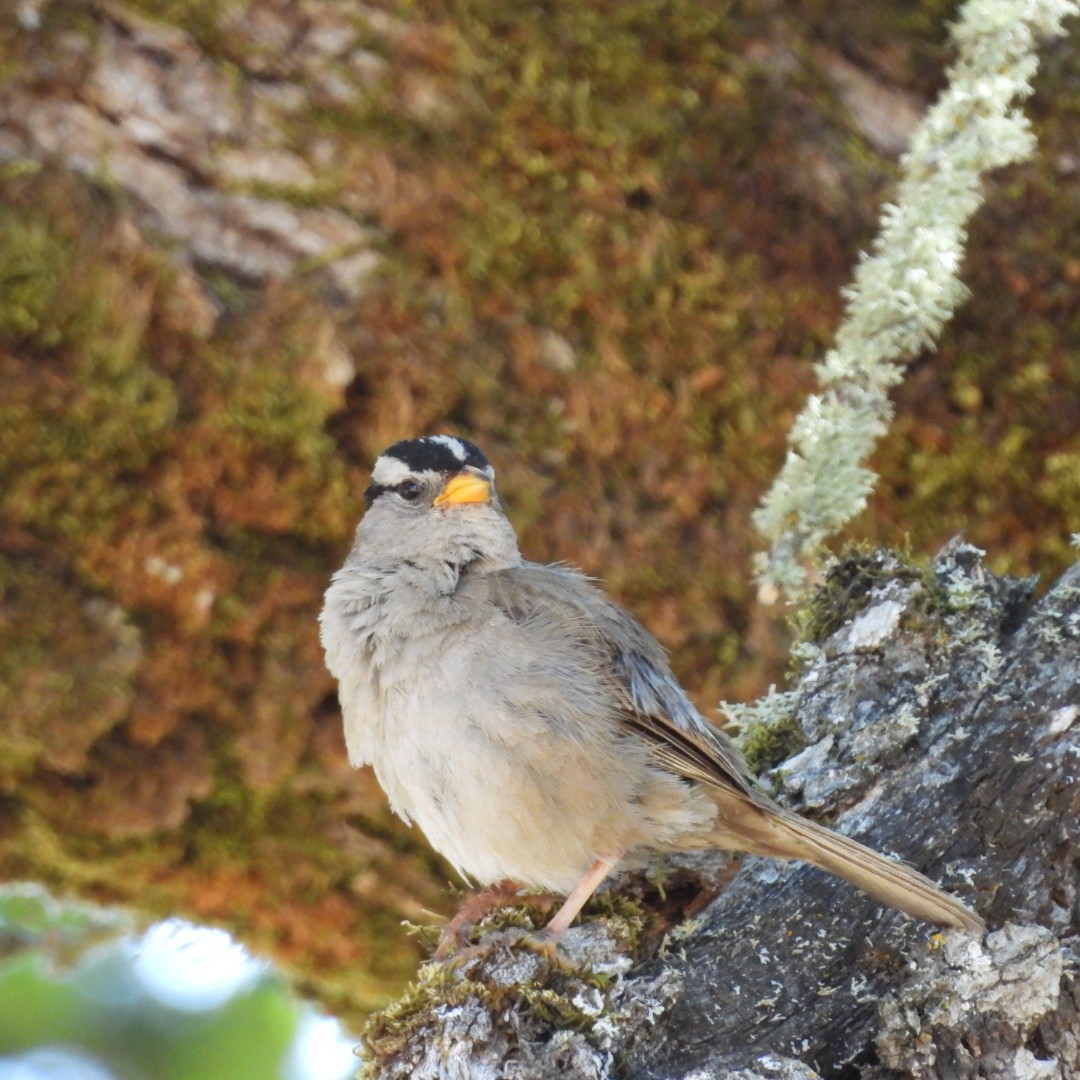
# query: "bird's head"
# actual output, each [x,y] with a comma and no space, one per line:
[432,500]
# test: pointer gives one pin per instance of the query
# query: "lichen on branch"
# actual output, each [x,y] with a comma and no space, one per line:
[909,287]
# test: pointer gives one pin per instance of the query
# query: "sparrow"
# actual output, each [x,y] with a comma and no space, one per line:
[530,726]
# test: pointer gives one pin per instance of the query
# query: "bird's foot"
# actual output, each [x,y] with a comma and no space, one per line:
[454,939]
[535,941]
[546,944]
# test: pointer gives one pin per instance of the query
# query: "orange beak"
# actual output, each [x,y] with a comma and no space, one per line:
[464,488]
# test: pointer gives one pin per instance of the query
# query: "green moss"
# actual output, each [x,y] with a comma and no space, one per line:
[33,265]
[851,583]
[67,669]
[41,850]
[549,996]
[236,819]
[766,744]
[103,412]
[202,19]
[577,103]
[1061,482]
[387,1032]
[556,1008]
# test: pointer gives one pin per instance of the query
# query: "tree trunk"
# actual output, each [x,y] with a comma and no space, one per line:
[941,715]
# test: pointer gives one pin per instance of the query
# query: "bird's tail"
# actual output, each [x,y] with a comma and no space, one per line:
[783,835]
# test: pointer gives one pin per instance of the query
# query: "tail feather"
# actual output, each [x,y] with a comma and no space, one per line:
[783,835]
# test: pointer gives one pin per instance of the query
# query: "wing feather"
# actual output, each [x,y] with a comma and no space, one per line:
[651,703]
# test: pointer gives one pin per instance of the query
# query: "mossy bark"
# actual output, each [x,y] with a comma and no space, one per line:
[245,246]
[949,736]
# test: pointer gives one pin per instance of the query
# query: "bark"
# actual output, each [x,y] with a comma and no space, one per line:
[152,108]
[942,724]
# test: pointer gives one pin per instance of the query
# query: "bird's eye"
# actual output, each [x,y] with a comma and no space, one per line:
[409,490]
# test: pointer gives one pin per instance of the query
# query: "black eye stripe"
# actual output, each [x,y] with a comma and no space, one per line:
[374,491]
[433,458]
[409,490]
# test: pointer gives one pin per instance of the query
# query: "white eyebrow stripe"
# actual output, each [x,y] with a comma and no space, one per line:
[390,471]
[452,444]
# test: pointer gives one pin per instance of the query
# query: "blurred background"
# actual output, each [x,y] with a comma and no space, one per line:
[83,998]
[246,245]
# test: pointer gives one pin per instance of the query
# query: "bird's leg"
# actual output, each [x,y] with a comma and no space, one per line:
[477,906]
[543,941]
[546,939]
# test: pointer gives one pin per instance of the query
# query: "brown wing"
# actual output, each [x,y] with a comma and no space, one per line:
[653,704]
[658,710]
[688,754]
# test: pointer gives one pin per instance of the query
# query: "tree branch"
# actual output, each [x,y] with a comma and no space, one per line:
[908,289]
[942,719]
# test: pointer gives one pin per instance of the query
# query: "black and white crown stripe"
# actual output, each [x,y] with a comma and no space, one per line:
[440,454]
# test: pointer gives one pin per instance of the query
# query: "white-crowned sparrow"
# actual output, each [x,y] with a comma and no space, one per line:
[530,726]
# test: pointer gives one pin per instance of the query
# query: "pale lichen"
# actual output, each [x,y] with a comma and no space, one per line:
[906,291]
